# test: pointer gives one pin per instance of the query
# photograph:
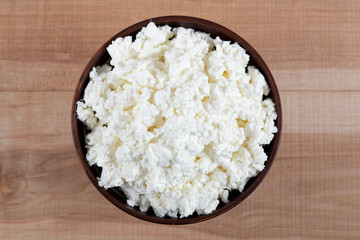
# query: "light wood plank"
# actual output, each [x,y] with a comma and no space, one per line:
[296,200]
[308,45]
[35,120]
[41,120]
[310,192]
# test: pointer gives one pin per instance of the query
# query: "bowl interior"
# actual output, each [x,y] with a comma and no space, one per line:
[115,195]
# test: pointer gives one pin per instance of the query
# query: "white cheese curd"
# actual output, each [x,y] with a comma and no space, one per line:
[177,120]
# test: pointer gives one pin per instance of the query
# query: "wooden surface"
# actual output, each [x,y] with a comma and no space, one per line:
[313,51]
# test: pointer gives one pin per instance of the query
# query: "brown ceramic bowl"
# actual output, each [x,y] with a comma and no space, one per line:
[115,195]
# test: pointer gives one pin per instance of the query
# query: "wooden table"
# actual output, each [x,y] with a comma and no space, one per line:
[313,51]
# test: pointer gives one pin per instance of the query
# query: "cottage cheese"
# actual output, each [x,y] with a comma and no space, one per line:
[177,120]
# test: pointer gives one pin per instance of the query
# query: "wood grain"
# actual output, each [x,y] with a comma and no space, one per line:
[311,191]
[46,44]
[313,188]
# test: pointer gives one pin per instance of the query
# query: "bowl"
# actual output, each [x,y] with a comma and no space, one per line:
[115,195]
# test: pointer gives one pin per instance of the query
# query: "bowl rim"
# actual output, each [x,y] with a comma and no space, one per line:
[178,20]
